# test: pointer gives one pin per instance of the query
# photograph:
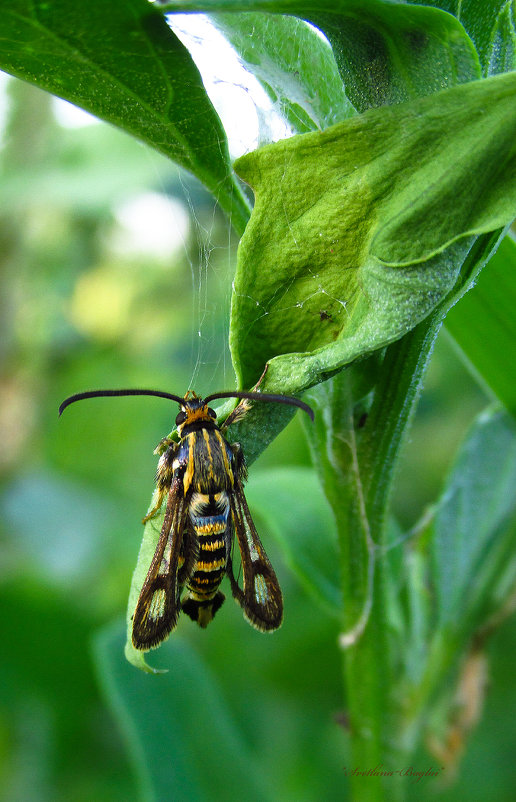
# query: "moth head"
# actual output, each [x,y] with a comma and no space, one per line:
[194,409]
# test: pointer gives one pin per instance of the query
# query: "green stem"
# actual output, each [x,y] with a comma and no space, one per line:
[395,398]
[356,468]
[368,663]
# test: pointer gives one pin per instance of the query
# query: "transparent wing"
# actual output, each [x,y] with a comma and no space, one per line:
[158,605]
[260,598]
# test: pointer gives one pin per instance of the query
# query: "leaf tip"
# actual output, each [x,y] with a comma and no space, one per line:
[137,659]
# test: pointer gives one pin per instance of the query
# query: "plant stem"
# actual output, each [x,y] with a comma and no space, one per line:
[395,397]
[356,466]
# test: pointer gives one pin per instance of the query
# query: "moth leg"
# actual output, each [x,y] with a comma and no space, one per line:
[239,463]
[238,414]
[163,445]
[164,474]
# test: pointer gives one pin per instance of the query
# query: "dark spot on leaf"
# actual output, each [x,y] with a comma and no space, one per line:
[362,420]
[416,39]
[342,719]
[362,51]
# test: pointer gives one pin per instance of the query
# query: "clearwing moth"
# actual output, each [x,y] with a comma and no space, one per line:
[202,478]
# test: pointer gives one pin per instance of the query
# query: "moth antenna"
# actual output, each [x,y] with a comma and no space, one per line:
[269,397]
[103,393]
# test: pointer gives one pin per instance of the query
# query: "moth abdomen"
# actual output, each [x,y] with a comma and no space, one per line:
[209,516]
[202,611]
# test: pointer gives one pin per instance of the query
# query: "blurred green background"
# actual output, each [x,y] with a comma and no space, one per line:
[116,271]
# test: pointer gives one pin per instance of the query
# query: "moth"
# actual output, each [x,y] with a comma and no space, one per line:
[202,478]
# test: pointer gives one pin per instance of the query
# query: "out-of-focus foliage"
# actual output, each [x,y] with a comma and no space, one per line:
[486,345]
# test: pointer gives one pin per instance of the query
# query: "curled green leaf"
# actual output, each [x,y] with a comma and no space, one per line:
[358,232]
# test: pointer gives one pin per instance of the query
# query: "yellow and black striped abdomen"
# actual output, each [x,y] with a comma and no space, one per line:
[209,516]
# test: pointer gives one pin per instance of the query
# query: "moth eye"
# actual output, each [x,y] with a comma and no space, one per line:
[181,417]
[212,413]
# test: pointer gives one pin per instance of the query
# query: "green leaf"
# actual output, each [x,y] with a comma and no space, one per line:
[177,726]
[386,52]
[492,27]
[293,505]
[358,232]
[471,522]
[419,616]
[389,52]
[484,327]
[122,62]
[293,63]
[502,57]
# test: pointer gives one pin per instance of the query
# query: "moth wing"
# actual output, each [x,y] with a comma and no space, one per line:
[189,552]
[158,605]
[260,598]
